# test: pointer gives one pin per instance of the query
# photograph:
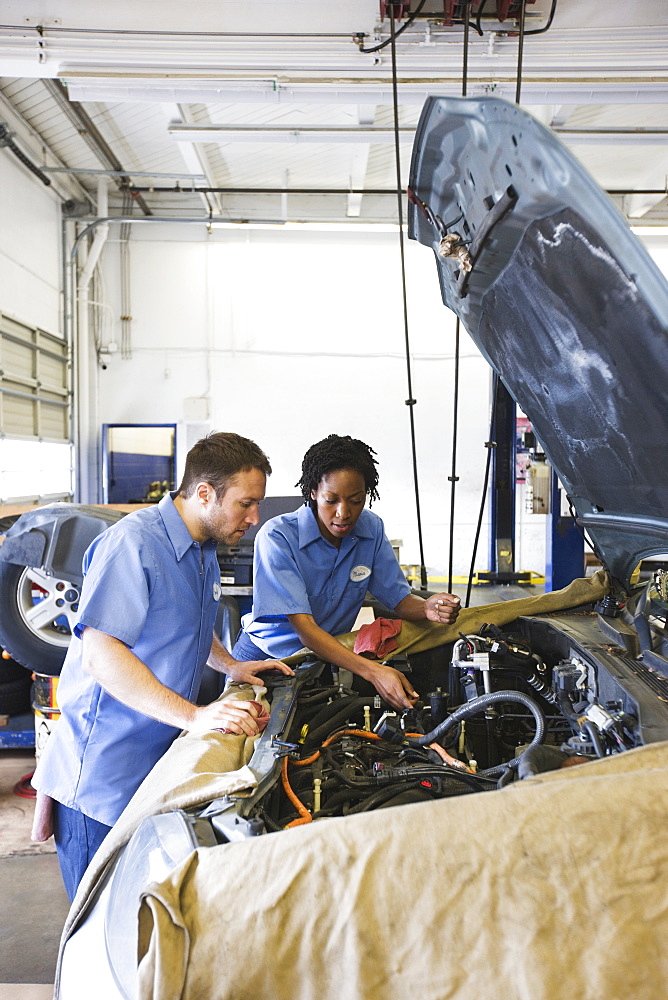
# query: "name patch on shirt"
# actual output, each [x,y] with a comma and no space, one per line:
[217,591]
[358,573]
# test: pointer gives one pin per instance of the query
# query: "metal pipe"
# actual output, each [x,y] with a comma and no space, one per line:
[100,237]
[53,30]
[82,171]
[152,189]
[86,464]
[264,190]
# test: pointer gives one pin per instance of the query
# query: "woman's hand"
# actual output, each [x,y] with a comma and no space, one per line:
[393,686]
[442,608]
[246,671]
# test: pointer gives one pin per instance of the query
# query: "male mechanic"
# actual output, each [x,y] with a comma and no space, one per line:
[145,631]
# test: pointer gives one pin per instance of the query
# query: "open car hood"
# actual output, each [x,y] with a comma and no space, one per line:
[564,302]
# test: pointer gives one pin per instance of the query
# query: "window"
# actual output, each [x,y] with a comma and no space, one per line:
[35,429]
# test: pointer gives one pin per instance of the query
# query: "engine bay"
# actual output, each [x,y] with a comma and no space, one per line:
[497,706]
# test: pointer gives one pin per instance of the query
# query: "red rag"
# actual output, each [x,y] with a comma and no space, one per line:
[376,640]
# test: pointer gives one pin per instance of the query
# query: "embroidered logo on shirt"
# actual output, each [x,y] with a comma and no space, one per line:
[358,573]
[217,591]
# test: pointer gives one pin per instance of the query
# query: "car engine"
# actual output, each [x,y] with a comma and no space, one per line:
[497,706]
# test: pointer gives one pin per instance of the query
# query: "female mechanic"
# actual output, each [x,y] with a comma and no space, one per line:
[314,566]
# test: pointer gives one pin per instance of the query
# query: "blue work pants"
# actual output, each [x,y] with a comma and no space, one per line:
[77,839]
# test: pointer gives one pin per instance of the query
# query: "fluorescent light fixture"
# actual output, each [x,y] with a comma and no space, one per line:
[650,230]
[317,227]
[84,84]
[612,137]
[286,133]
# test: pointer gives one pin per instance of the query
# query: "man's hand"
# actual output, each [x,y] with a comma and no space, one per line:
[235,716]
[442,608]
[246,671]
[393,686]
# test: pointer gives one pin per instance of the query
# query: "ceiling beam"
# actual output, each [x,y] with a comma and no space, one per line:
[89,131]
[195,159]
[40,151]
[366,114]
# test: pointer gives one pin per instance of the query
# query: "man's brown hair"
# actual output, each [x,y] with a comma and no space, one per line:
[217,459]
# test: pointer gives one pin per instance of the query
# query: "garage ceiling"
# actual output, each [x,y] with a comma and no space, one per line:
[249,110]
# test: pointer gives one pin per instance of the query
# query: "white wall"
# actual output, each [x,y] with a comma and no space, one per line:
[287,337]
[30,276]
[294,336]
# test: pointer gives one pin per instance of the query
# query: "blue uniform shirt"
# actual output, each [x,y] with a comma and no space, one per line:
[149,584]
[296,571]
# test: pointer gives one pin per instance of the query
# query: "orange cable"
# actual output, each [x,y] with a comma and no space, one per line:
[304,814]
[452,761]
[341,732]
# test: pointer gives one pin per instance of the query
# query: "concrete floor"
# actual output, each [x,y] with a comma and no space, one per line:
[34,902]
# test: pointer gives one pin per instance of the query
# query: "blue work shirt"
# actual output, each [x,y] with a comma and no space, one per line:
[148,583]
[297,571]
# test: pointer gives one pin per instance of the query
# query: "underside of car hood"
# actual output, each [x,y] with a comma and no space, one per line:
[563,301]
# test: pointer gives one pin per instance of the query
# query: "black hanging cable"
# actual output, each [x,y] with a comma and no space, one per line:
[453,477]
[534,31]
[540,31]
[479,15]
[465,64]
[489,445]
[395,34]
[470,24]
[520,51]
[410,402]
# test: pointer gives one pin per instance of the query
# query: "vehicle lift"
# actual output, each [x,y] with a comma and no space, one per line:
[564,552]
[17,732]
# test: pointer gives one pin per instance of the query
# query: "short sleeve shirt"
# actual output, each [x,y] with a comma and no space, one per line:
[297,571]
[149,584]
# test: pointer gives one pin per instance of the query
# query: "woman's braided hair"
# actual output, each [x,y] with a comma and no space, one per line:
[336,452]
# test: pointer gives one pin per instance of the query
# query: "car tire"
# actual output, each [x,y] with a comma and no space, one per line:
[10,670]
[15,696]
[41,647]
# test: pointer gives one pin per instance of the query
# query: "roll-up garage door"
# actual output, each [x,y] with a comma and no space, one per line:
[34,383]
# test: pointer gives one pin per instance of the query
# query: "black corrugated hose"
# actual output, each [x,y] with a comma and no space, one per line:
[472,708]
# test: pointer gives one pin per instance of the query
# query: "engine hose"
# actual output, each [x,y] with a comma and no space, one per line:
[507,775]
[339,798]
[566,708]
[464,777]
[331,716]
[472,708]
[359,782]
[541,687]
[330,709]
[592,733]
[380,796]
[317,696]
